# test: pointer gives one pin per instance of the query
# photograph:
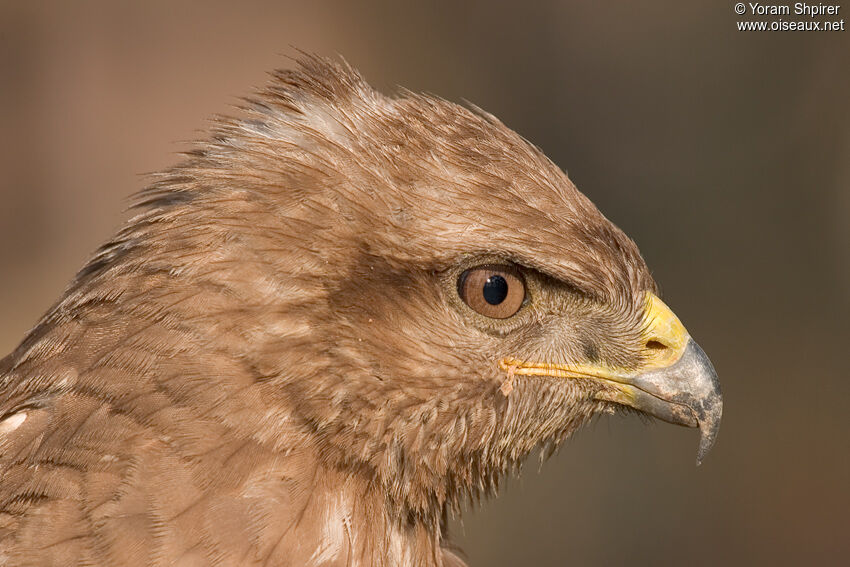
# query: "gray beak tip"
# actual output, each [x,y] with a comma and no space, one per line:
[709,424]
[686,393]
[709,408]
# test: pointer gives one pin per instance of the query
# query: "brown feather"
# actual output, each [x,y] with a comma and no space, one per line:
[268,365]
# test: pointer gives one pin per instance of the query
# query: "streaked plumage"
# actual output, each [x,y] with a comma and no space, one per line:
[272,365]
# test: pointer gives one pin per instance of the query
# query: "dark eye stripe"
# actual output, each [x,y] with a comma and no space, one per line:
[492,291]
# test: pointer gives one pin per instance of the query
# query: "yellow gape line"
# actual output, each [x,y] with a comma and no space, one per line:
[663,336]
[674,380]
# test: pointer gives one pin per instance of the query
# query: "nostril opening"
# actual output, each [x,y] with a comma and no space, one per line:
[655,345]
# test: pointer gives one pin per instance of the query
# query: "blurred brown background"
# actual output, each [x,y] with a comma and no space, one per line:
[724,154]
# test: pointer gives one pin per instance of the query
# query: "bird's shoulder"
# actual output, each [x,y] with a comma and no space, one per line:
[99,465]
[83,484]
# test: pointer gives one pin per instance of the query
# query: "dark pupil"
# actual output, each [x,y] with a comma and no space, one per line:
[495,290]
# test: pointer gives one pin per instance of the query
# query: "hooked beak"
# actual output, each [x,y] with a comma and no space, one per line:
[685,393]
[677,384]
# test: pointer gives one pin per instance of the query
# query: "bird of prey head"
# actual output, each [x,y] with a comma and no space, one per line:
[340,315]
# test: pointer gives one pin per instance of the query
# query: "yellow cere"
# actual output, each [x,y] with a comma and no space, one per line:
[663,329]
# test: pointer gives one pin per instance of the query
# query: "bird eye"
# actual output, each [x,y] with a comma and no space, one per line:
[493,291]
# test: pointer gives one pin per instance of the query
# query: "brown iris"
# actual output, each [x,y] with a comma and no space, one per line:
[492,291]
